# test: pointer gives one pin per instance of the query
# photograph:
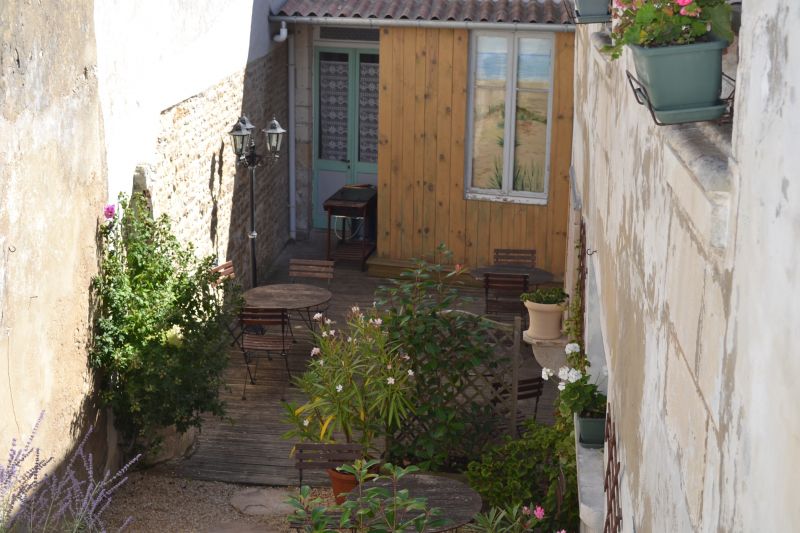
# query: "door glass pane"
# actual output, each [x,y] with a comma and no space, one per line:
[333,82]
[489,112]
[368,108]
[530,128]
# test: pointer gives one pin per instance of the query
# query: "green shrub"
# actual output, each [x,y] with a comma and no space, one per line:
[552,295]
[538,467]
[160,343]
[444,348]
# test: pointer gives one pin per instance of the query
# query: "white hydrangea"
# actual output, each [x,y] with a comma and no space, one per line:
[572,347]
[562,385]
[574,375]
[547,373]
[563,372]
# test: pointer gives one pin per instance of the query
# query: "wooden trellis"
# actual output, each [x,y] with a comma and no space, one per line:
[492,386]
[613,522]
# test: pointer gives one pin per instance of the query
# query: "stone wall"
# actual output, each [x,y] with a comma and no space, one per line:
[695,230]
[52,192]
[195,180]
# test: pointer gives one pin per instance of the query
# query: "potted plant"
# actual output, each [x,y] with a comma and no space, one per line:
[584,400]
[677,50]
[588,11]
[545,310]
[359,386]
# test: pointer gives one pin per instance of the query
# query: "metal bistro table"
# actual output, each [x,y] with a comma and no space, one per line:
[290,296]
[457,501]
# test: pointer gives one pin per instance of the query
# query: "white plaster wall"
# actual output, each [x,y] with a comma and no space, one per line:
[153,54]
[696,269]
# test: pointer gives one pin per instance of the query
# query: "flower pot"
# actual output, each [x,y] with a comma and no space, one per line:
[341,483]
[683,82]
[545,320]
[591,432]
[592,11]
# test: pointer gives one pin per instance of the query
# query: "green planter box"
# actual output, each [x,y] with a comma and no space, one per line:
[592,10]
[682,81]
[591,432]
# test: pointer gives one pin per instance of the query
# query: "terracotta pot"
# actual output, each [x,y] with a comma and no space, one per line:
[342,484]
[545,320]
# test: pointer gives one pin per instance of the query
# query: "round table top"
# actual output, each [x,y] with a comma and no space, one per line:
[535,275]
[456,500]
[287,296]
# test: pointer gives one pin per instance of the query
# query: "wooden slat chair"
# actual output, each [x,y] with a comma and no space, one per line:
[516,257]
[502,292]
[263,330]
[225,271]
[323,455]
[527,389]
[311,268]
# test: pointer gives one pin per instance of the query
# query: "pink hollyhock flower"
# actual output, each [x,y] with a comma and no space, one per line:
[538,512]
[684,2]
[109,211]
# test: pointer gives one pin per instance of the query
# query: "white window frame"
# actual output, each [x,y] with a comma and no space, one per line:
[507,194]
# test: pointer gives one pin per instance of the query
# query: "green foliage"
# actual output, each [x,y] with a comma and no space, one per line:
[445,348]
[551,295]
[653,23]
[159,342]
[375,509]
[516,518]
[538,467]
[583,398]
[358,383]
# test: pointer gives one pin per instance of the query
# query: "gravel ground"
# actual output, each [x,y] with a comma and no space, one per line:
[162,502]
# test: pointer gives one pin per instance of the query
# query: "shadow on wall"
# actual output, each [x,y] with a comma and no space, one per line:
[264,96]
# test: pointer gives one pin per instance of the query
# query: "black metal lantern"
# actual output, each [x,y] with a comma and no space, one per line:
[240,136]
[274,137]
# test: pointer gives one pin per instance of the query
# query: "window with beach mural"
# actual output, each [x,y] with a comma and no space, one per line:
[510,102]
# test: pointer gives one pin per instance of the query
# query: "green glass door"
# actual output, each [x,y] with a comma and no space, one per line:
[345,123]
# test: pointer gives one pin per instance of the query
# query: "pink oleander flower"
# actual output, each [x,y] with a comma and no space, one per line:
[526,510]
[109,211]
[538,512]
[684,2]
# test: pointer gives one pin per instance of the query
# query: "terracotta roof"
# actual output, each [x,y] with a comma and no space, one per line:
[537,11]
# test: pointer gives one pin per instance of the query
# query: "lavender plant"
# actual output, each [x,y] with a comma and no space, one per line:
[70,501]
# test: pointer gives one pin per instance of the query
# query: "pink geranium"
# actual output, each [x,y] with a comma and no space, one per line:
[109,211]
[684,2]
[538,512]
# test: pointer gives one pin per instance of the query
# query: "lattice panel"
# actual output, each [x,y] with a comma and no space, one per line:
[613,522]
[491,387]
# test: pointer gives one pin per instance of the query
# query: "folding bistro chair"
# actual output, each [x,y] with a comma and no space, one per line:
[263,330]
[502,292]
[529,390]
[226,272]
[515,257]
[311,269]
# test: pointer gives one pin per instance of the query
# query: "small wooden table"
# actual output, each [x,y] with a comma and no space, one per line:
[290,296]
[355,202]
[457,501]
[536,276]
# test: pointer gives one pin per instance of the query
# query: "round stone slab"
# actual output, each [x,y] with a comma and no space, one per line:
[262,502]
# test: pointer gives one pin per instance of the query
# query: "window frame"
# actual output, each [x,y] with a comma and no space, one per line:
[507,194]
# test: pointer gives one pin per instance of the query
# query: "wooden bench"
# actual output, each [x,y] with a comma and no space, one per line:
[311,268]
[321,455]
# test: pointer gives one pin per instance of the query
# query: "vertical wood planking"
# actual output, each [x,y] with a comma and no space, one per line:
[457,239]
[429,179]
[420,75]
[407,229]
[443,136]
[384,148]
[396,141]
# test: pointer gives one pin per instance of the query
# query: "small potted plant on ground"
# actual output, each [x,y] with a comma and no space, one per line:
[583,400]
[677,50]
[359,386]
[545,309]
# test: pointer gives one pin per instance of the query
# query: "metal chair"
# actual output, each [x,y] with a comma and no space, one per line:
[259,327]
[516,257]
[311,269]
[527,389]
[502,292]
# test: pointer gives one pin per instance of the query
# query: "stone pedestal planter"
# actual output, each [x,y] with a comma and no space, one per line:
[545,320]
[548,353]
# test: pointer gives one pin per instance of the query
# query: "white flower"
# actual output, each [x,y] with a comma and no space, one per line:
[406,357]
[332,332]
[389,366]
[574,375]
[306,422]
[339,388]
[376,321]
[390,381]
[324,333]
[563,372]
[315,351]
[355,310]
[349,339]
[410,372]
[562,385]
[328,321]
[321,362]
[317,316]
[572,347]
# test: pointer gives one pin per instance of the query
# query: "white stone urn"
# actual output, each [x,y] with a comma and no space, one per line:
[545,320]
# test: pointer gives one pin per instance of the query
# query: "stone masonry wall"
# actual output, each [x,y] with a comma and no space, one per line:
[52,192]
[195,179]
[694,228]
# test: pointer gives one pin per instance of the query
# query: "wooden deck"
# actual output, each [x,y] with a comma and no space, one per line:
[247,447]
